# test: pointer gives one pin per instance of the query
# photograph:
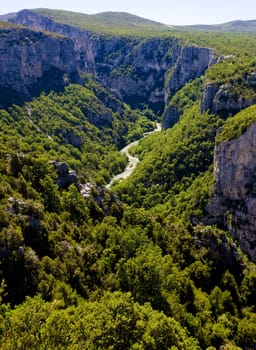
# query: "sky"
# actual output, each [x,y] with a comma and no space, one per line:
[176,12]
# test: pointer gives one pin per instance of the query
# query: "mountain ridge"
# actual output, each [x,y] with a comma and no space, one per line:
[236,26]
[126,19]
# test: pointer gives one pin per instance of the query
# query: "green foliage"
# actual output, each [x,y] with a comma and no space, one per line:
[222,43]
[246,332]
[187,96]
[76,126]
[172,159]
[110,23]
[141,275]
[113,322]
[134,267]
[236,126]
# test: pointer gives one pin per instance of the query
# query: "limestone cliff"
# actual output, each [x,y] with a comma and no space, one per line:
[84,56]
[234,203]
[191,64]
[224,100]
[171,116]
[32,61]
[135,67]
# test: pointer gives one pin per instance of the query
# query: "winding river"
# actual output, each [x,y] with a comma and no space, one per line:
[132,161]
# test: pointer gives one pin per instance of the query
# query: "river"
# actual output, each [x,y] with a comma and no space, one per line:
[132,161]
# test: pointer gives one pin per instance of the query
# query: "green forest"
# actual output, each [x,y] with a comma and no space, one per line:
[134,266]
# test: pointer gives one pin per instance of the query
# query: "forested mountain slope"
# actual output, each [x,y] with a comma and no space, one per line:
[162,260]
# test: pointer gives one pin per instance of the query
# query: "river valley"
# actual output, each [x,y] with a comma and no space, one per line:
[132,161]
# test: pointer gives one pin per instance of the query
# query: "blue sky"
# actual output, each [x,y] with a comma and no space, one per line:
[165,11]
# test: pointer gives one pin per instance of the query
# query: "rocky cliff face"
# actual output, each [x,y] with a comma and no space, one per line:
[32,61]
[224,99]
[192,62]
[84,56]
[135,67]
[234,204]
[171,116]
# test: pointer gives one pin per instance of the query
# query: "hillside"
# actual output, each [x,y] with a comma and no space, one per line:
[105,21]
[111,21]
[237,26]
[164,259]
[7,17]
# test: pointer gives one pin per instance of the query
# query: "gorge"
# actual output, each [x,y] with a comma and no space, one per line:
[164,259]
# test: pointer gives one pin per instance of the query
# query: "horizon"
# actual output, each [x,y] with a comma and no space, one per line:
[166,12]
[133,14]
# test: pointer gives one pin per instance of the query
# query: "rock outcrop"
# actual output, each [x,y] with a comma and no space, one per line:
[207,99]
[224,100]
[171,116]
[233,206]
[66,177]
[31,62]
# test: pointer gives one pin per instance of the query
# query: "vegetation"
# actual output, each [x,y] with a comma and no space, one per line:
[124,24]
[7,25]
[173,159]
[238,26]
[134,267]
[107,22]
[236,126]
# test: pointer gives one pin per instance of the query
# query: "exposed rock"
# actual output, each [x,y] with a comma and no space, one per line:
[207,99]
[32,62]
[85,189]
[16,205]
[227,104]
[66,176]
[171,116]
[223,100]
[234,203]
[100,120]
[61,167]
[134,67]
[84,55]
[192,63]
[225,57]
[71,137]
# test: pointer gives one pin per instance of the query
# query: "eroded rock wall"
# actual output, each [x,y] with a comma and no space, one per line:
[32,61]
[234,203]
[135,67]
[224,100]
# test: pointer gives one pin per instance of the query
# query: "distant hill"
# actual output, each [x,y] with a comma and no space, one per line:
[106,21]
[102,20]
[7,16]
[238,26]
